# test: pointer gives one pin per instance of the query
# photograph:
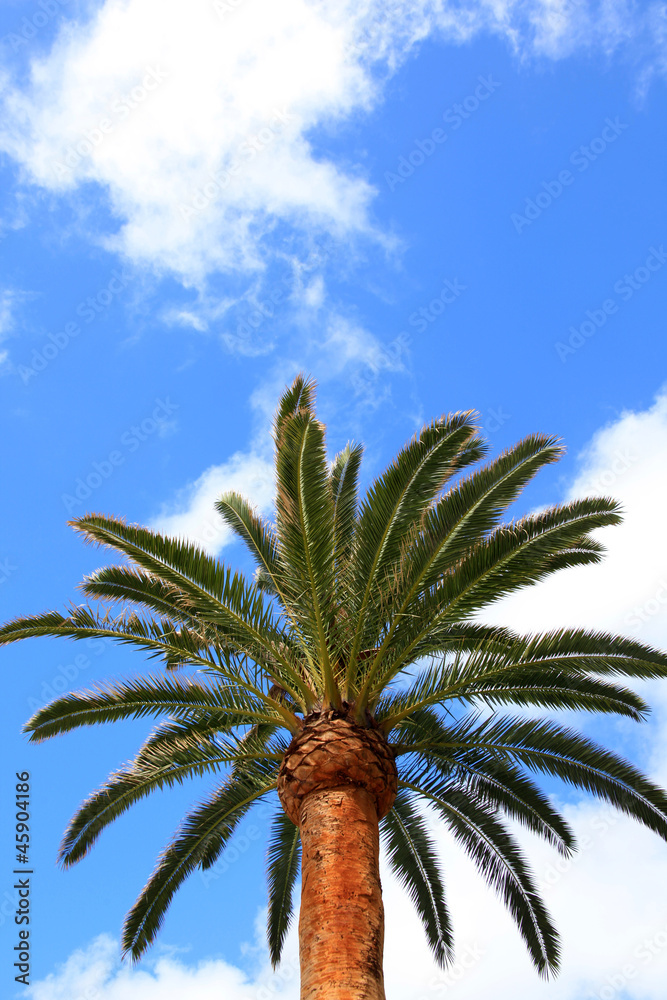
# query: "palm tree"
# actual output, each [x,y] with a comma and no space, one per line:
[354,677]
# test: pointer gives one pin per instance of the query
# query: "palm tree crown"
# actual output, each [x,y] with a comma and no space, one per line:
[361,622]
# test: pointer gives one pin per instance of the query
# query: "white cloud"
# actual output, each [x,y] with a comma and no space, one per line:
[159,106]
[94,973]
[185,317]
[626,460]
[192,515]
[196,121]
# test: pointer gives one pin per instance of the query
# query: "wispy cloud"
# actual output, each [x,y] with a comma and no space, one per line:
[199,131]
[10,299]
[7,297]
[95,972]
[192,515]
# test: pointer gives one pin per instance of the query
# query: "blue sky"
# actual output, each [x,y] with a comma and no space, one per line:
[426,206]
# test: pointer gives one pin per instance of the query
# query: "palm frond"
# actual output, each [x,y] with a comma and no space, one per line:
[499,860]
[283,863]
[594,651]
[512,557]
[551,749]
[344,489]
[298,398]
[394,506]
[502,786]
[179,742]
[517,555]
[413,858]
[177,645]
[491,679]
[223,707]
[129,785]
[450,527]
[305,525]
[238,610]
[198,843]
[255,531]
[122,583]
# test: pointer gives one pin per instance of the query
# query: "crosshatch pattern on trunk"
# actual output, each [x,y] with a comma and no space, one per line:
[331,751]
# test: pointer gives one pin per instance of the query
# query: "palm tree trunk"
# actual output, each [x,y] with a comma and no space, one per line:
[341,924]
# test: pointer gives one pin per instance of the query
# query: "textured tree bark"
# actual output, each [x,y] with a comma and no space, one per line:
[341,923]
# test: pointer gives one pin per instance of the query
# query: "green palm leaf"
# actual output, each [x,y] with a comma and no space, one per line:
[551,749]
[198,843]
[344,490]
[493,679]
[500,862]
[256,533]
[283,862]
[298,398]
[450,527]
[305,524]
[224,707]
[237,608]
[413,858]
[123,584]
[395,503]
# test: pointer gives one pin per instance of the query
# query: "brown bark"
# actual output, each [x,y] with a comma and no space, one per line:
[341,924]
[336,781]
